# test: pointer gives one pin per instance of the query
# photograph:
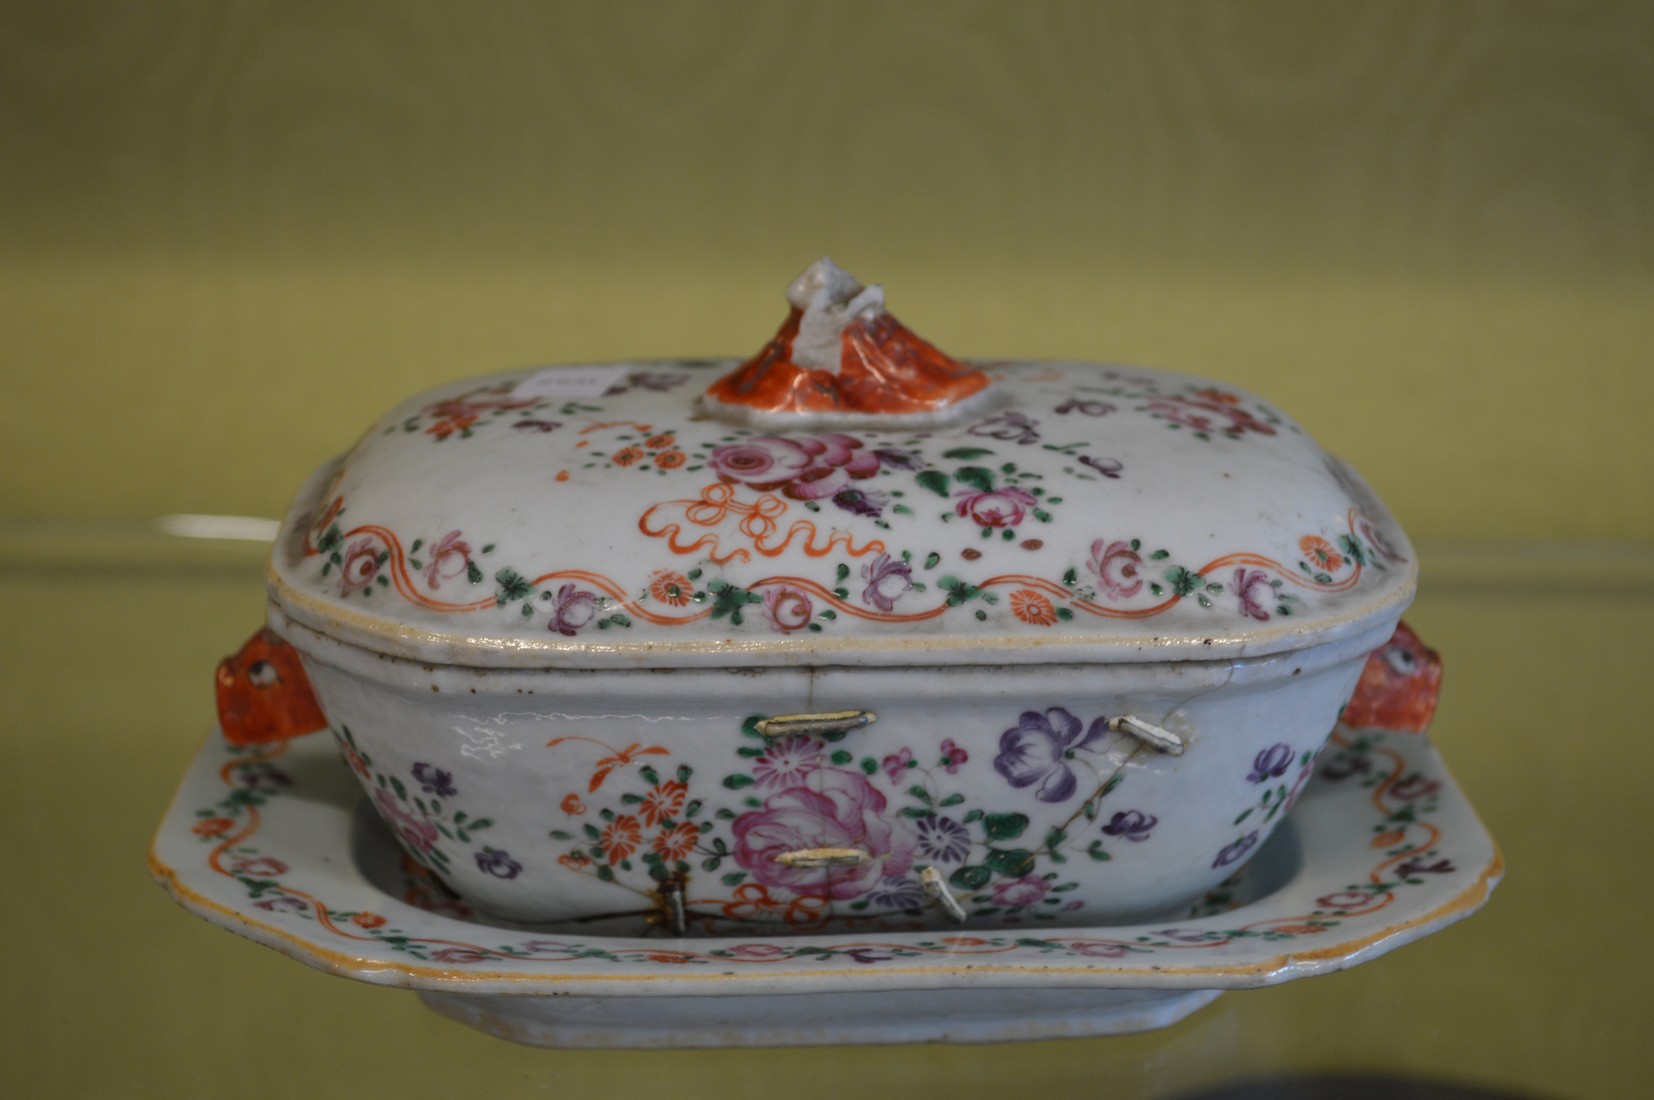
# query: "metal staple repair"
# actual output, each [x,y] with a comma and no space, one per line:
[817,725]
[937,890]
[823,857]
[1161,740]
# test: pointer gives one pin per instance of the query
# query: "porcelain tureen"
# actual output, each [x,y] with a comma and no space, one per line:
[850,634]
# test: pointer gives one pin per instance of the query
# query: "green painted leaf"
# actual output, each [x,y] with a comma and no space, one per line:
[965,454]
[736,782]
[970,878]
[1004,826]
[934,480]
[976,477]
[1010,862]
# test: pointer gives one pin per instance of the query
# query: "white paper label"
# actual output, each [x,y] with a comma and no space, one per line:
[571,382]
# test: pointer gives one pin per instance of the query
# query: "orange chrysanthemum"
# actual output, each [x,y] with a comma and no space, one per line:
[662,802]
[672,589]
[1320,552]
[679,842]
[368,920]
[670,460]
[627,456]
[621,838]
[1032,608]
[656,442]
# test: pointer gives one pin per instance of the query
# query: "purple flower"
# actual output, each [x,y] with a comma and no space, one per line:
[1099,949]
[1346,764]
[866,954]
[897,460]
[276,905]
[1246,584]
[862,502]
[537,425]
[433,780]
[262,777]
[449,558]
[1234,851]
[1188,935]
[888,579]
[1016,893]
[1108,467]
[787,761]
[1085,408]
[1131,824]
[1270,763]
[497,862]
[459,955]
[656,380]
[1038,748]
[1418,867]
[897,893]
[942,839]
[1009,425]
[572,609]
[1414,786]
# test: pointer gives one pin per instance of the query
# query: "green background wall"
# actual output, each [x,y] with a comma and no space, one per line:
[231,234]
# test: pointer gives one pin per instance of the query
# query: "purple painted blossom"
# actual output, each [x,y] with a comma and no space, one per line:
[942,839]
[898,460]
[498,862]
[1118,567]
[262,777]
[1417,866]
[459,955]
[1038,748]
[416,833]
[862,502]
[888,579]
[433,780]
[866,954]
[1015,893]
[1108,467]
[450,557]
[656,380]
[786,761]
[1270,763]
[1414,786]
[1234,851]
[1131,824]
[759,952]
[1188,935]
[1008,425]
[1252,585]
[1005,507]
[1085,408]
[1099,949]
[537,425]
[897,893]
[1345,899]
[572,608]
[276,905]
[1346,764]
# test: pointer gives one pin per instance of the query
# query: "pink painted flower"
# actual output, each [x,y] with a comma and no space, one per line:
[360,566]
[1345,899]
[571,609]
[896,763]
[1015,893]
[759,952]
[417,833]
[787,608]
[786,761]
[1118,568]
[1005,507]
[261,865]
[449,558]
[459,955]
[1099,949]
[888,579]
[1252,586]
[952,755]
[804,467]
[843,810]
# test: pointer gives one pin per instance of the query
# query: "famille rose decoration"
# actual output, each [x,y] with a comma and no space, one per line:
[848,638]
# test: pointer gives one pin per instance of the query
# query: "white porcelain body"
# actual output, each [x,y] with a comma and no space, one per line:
[989,775]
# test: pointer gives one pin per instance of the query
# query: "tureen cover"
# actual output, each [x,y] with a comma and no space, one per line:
[901,509]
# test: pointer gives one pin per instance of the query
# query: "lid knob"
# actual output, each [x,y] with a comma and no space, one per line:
[840,356]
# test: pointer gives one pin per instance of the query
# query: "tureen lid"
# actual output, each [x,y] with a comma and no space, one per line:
[892,507]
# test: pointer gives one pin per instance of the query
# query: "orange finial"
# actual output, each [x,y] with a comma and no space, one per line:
[1399,686]
[839,353]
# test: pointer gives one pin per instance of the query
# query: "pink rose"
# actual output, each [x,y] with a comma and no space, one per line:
[1118,568]
[448,559]
[787,608]
[416,833]
[843,811]
[995,508]
[1020,892]
[804,467]
[360,566]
